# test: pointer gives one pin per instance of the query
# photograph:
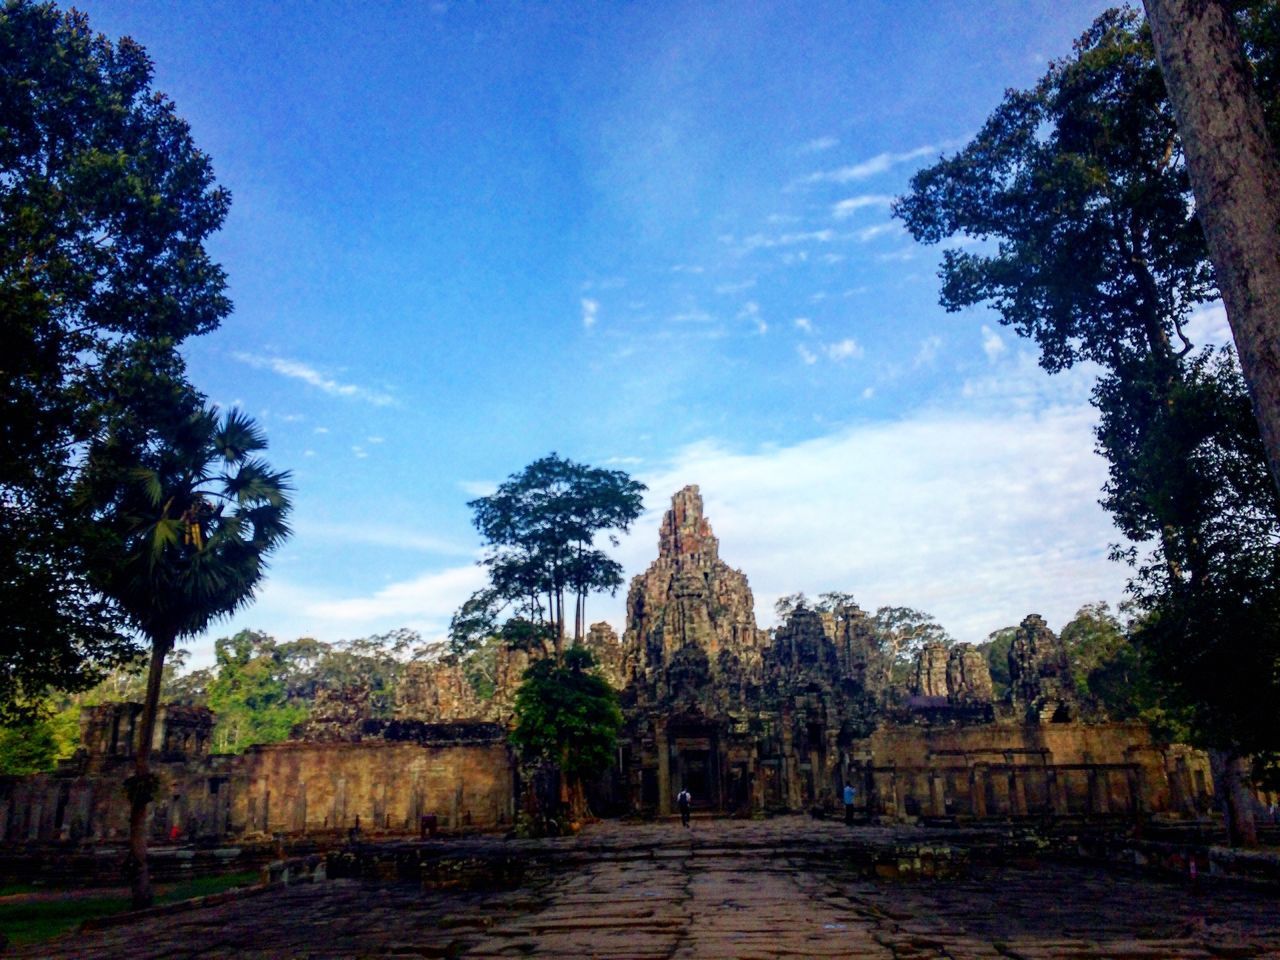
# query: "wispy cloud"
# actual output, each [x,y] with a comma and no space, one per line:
[751,311]
[478,488]
[803,323]
[590,312]
[846,349]
[847,208]
[297,370]
[760,241]
[880,163]
[395,537]
[818,145]
[726,288]
[807,355]
[992,344]
[878,230]
[928,352]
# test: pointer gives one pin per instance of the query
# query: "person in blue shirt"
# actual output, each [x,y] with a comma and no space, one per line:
[848,803]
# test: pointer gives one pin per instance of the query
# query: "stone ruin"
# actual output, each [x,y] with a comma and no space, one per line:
[749,721]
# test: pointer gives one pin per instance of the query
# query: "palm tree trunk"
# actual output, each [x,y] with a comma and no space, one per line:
[141,793]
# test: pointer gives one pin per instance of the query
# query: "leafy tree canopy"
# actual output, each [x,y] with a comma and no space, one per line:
[541,528]
[105,206]
[568,715]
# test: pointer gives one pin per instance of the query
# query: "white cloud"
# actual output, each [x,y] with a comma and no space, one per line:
[430,598]
[818,144]
[978,517]
[846,349]
[759,241]
[803,323]
[1208,326]
[880,163]
[928,351]
[980,510]
[807,355]
[375,439]
[726,288]
[308,453]
[320,430]
[360,453]
[590,311]
[879,230]
[378,535]
[692,315]
[751,311]
[297,370]
[688,268]
[292,418]
[847,208]
[992,345]
[898,256]
[478,488]
[868,393]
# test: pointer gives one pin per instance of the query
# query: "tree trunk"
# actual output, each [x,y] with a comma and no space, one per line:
[141,792]
[1235,175]
[1231,776]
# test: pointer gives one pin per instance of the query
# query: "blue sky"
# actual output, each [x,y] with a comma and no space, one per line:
[648,235]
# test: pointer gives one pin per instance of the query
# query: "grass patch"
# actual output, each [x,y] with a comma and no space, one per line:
[35,920]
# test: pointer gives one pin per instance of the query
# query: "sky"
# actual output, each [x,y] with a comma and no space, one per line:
[649,236]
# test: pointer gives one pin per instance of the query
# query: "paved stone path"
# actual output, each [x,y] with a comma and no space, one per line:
[657,891]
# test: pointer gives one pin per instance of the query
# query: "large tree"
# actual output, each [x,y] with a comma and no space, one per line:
[1079,195]
[1235,173]
[184,514]
[541,528]
[105,205]
[568,716]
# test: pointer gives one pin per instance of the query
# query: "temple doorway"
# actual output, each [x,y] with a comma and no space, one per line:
[695,757]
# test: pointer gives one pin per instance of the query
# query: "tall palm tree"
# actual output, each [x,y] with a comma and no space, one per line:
[185,516]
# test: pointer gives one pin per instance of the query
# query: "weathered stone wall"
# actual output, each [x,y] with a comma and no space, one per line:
[396,773]
[1002,770]
[377,785]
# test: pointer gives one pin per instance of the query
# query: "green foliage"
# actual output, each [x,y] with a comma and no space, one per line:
[996,652]
[1079,196]
[33,747]
[32,921]
[540,528]
[185,512]
[249,693]
[105,206]
[1093,637]
[567,715]
[902,632]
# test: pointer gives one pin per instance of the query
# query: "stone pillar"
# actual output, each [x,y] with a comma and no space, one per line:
[663,744]
[1057,791]
[978,790]
[1099,802]
[1017,793]
[937,793]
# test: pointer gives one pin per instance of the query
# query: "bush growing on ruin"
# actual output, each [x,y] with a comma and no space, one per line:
[568,716]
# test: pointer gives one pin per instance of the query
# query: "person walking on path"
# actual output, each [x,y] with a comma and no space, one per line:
[848,803]
[683,799]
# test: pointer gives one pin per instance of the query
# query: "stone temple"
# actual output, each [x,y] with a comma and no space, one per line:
[750,721]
